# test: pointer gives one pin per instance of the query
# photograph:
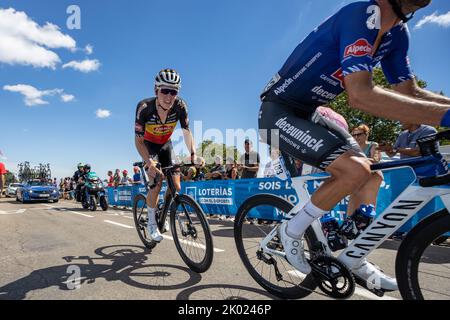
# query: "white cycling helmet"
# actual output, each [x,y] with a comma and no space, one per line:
[168,78]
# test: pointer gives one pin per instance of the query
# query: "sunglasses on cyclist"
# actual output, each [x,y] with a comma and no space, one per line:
[172,92]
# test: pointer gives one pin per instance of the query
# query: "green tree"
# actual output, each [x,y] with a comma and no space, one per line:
[209,150]
[382,130]
[10,178]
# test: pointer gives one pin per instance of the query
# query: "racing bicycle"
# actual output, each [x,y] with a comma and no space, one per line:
[190,229]
[422,268]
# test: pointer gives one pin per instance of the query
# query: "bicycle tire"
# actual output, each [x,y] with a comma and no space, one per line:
[204,264]
[412,249]
[139,224]
[308,284]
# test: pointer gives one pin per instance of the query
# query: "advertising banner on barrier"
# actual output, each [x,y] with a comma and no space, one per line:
[224,197]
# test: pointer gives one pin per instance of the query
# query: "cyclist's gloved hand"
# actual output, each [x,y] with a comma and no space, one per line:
[445,122]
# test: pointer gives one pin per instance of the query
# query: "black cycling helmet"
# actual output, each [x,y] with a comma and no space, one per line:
[87,167]
[408,5]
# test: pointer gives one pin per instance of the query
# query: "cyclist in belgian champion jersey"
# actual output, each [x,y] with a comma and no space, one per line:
[340,55]
[156,119]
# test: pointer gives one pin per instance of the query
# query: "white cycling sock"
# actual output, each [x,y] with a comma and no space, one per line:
[151,216]
[297,226]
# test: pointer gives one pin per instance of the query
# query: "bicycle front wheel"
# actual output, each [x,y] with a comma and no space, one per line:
[270,271]
[422,267]
[191,233]
[140,215]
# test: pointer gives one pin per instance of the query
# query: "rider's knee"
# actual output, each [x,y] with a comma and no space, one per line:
[353,176]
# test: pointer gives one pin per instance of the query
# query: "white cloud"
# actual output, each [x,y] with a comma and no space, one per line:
[85,66]
[102,113]
[67,97]
[442,20]
[32,95]
[24,42]
[89,49]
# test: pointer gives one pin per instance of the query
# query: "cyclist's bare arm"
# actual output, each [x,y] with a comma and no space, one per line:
[411,88]
[141,148]
[189,140]
[365,96]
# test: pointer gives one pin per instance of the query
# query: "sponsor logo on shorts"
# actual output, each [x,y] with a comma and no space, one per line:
[300,136]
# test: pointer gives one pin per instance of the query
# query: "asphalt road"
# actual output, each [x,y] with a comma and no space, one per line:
[60,251]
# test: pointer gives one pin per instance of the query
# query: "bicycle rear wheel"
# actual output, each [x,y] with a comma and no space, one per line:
[423,268]
[272,272]
[191,233]
[140,215]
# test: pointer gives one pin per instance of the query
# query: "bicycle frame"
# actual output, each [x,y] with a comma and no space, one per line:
[170,195]
[407,204]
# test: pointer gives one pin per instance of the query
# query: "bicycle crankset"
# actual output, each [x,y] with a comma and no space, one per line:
[333,277]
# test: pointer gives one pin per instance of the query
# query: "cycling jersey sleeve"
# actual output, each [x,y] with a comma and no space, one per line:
[139,127]
[396,65]
[184,119]
[356,35]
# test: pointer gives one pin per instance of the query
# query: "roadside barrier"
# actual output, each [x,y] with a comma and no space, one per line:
[223,197]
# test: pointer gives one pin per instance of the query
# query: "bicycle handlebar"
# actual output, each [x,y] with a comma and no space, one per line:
[429,146]
[157,178]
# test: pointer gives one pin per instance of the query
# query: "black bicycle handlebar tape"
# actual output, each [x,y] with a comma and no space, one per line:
[435,181]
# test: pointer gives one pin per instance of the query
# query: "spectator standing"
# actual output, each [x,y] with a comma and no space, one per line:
[249,162]
[369,148]
[126,180]
[110,179]
[137,178]
[269,171]
[3,173]
[406,144]
[117,178]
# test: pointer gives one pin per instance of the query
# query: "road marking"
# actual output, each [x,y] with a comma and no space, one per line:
[191,243]
[358,291]
[118,224]
[65,210]
[13,212]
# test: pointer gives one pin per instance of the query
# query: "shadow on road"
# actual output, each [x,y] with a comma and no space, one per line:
[224,292]
[126,263]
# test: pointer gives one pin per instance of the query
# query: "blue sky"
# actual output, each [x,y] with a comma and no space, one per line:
[226,51]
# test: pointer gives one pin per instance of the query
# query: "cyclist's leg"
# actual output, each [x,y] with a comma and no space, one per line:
[366,193]
[307,139]
[166,156]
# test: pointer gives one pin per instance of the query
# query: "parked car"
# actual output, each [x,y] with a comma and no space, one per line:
[11,191]
[36,190]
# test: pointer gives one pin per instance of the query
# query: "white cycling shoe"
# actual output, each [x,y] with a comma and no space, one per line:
[374,277]
[293,248]
[154,233]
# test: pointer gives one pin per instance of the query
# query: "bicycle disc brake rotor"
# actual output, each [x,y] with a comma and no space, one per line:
[333,277]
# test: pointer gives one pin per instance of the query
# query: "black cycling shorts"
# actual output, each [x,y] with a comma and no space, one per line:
[161,153]
[311,138]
